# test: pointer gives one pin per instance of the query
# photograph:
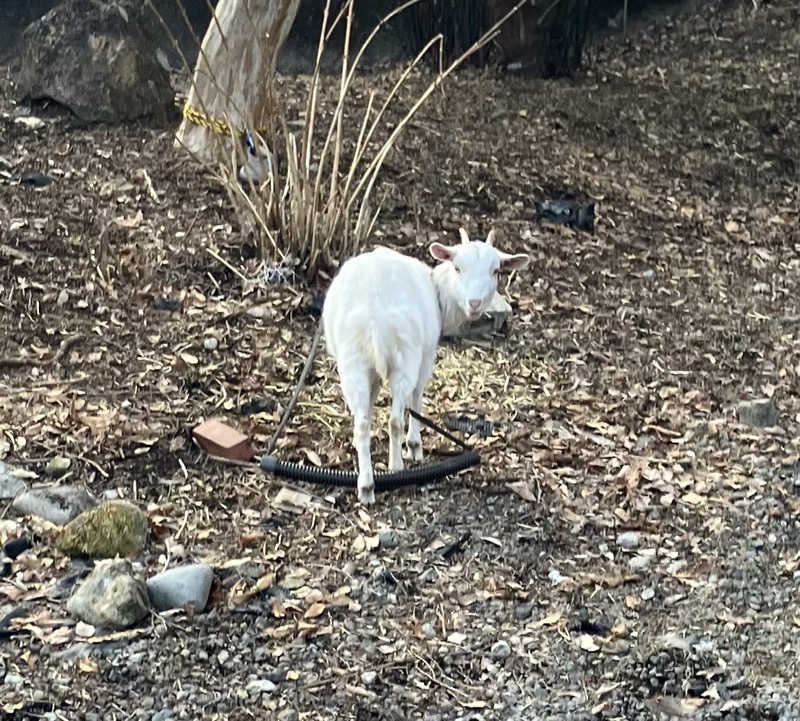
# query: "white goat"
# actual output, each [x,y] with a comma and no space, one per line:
[383,316]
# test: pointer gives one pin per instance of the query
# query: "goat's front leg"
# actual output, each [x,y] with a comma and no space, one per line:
[413,438]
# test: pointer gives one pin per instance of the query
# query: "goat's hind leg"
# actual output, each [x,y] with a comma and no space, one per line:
[358,388]
[413,438]
[401,387]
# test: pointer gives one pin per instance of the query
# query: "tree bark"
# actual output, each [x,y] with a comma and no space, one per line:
[232,86]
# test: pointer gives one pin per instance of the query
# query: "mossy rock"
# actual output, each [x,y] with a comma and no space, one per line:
[114,528]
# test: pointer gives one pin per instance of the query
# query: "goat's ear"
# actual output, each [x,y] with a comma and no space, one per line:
[513,262]
[441,252]
[491,237]
[464,236]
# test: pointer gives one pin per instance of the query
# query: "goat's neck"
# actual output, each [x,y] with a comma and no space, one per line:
[444,281]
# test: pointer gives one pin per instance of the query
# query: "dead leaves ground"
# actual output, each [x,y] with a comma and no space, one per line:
[614,395]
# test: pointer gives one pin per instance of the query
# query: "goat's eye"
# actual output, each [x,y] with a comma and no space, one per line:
[458,270]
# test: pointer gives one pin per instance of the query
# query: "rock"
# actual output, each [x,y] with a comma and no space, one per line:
[57,466]
[523,611]
[210,343]
[96,58]
[387,538]
[260,685]
[628,540]
[761,287]
[10,485]
[110,597]
[428,630]
[114,528]
[429,575]
[501,649]
[164,715]
[16,546]
[649,275]
[369,677]
[13,679]
[639,562]
[288,714]
[178,586]
[761,413]
[57,504]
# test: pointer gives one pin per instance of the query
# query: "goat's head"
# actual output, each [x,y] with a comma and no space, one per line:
[472,271]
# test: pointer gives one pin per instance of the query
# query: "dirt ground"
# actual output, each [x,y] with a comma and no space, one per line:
[626,548]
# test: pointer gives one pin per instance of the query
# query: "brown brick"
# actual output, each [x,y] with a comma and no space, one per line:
[219,439]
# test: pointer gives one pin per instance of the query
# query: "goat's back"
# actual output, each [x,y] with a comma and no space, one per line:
[382,310]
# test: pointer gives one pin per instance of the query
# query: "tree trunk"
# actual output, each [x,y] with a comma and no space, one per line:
[232,87]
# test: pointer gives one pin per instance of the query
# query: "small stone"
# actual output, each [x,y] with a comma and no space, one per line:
[523,611]
[57,504]
[369,677]
[428,630]
[554,576]
[628,540]
[110,597]
[761,287]
[13,679]
[260,685]
[10,485]
[649,275]
[501,650]
[210,343]
[648,594]
[639,562]
[387,538]
[164,715]
[223,657]
[288,714]
[761,413]
[176,587]
[429,575]
[57,466]
[456,638]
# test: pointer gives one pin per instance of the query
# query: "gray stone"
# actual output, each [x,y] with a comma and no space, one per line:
[210,343]
[110,597]
[649,275]
[178,586]
[57,504]
[260,685]
[428,630]
[639,562]
[387,538]
[760,413]
[429,575]
[523,611]
[13,679]
[96,58]
[288,714]
[628,540]
[501,650]
[10,485]
[164,715]
[57,466]
[369,677]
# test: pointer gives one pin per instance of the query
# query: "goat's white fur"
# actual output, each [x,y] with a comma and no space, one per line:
[383,316]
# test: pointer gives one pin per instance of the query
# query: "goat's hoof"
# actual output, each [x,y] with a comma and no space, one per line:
[366,496]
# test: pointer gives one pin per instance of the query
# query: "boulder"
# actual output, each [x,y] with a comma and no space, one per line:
[96,58]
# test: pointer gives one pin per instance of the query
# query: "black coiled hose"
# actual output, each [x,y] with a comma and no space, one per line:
[383,481]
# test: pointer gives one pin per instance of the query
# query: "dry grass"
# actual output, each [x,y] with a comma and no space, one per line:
[319,204]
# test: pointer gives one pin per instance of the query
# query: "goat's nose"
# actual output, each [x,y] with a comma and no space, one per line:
[475,304]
